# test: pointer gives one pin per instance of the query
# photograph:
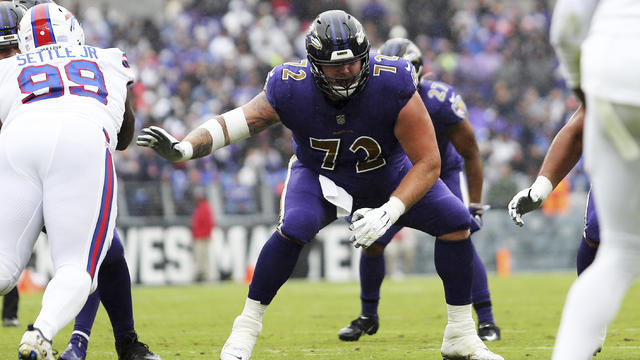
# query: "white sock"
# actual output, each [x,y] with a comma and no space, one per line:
[63,299]
[254,309]
[595,297]
[80,333]
[459,313]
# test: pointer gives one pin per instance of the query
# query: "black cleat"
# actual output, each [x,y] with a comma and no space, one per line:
[132,349]
[488,331]
[362,325]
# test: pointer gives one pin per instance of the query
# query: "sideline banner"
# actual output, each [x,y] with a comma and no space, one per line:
[162,255]
[159,255]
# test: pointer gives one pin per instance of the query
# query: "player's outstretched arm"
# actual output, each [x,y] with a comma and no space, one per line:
[562,156]
[415,133]
[565,149]
[128,123]
[218,132]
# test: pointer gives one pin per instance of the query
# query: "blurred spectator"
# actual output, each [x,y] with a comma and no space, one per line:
[400,253]
[202,224]
[502,188]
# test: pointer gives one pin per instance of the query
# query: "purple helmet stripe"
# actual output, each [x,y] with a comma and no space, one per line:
[11,23]
[333,35]
[344,36]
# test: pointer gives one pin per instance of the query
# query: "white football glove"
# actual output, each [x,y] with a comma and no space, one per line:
[529,199]
[165,144]
[369,224]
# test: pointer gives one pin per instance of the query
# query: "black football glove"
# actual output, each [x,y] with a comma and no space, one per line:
[523,202]
[161,142]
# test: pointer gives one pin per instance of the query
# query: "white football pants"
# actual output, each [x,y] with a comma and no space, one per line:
[56,170]
[612,133]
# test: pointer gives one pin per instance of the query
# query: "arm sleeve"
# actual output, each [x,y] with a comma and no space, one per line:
[569,28]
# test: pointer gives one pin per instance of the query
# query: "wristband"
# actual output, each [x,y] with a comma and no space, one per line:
[478,208]
[185,148]
[236,125]
[394,207]
[542,187]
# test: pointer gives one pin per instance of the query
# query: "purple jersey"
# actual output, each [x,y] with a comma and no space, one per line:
[351,143]
[446,108]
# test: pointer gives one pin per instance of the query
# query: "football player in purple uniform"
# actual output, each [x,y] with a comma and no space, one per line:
[363,141]
[562,156]
[458,151]
[116,294]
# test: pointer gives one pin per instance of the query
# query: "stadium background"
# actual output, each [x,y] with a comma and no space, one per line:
[195,59]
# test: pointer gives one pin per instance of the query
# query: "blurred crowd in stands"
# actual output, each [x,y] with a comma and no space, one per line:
[202,58]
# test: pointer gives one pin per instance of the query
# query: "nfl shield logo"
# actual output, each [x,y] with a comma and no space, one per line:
[340,119]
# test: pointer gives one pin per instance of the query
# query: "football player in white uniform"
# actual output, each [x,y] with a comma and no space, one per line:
[64,109]
[595,42]
[10,15]
[114,282]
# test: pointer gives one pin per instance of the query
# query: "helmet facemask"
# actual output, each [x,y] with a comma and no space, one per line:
[336,38]
[338,87]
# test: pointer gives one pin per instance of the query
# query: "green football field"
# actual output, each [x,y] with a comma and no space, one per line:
[192,322]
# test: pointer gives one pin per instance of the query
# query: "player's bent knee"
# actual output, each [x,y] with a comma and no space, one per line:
[456,235]
[376,249]
[301,225]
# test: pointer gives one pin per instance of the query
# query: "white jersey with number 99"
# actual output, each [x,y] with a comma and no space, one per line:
[85,81]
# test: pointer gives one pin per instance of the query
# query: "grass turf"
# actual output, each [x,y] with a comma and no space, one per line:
[192,322]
